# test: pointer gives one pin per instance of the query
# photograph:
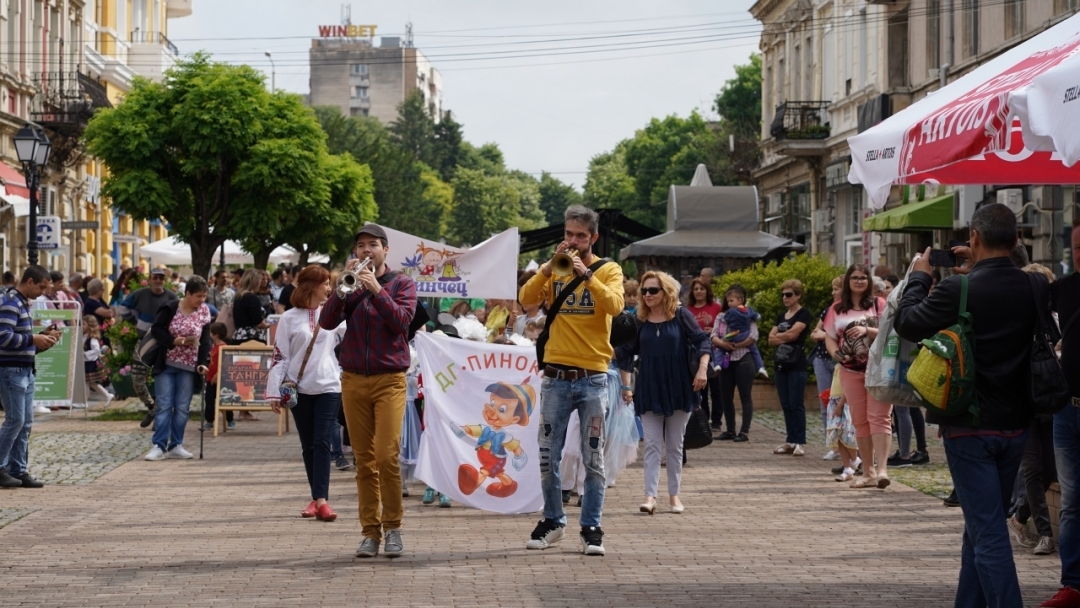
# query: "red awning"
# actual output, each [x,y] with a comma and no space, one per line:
[13,181]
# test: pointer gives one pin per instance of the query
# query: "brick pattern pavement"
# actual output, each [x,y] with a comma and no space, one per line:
[759,530]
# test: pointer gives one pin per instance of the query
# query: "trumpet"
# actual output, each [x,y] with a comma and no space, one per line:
[562,263]
[349,281]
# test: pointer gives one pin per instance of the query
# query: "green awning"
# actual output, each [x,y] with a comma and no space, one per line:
[931,214]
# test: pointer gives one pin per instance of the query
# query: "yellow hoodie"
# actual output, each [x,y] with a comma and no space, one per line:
[580,333]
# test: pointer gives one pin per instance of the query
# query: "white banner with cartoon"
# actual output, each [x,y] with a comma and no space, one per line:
[481,415]
[487,270]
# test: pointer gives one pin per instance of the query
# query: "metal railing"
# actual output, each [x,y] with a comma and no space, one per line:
[800,120]
[155,38]
[66,99]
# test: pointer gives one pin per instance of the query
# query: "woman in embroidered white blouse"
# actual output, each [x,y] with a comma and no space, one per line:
[305,355]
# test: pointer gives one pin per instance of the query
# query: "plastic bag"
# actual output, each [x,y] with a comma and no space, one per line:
[410,441]
[891,356]
[621,449]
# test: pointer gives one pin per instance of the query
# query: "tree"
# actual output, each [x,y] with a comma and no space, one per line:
[555,197]
[329,227]
[414,128]
[175,150]
[739,101]
[488,158]
[483,205]
[448,151]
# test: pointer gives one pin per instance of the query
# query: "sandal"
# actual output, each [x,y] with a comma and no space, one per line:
[787,448]
[883,482]
[864,482]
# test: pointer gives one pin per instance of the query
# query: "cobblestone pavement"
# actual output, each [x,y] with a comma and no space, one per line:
[8,515]
[759,530]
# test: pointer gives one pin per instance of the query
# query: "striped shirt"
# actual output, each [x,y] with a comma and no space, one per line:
[16,331]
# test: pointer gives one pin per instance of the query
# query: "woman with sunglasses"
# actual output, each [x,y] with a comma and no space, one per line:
[850,328]
[788,335]
[669,340]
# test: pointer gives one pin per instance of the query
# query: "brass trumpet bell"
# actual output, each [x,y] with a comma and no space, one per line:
[562,263]
[349,280]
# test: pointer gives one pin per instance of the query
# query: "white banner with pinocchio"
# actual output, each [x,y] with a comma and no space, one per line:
[481,415]
[487,270]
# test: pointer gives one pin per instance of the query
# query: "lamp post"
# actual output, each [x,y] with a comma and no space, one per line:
[32,148]
[273,72]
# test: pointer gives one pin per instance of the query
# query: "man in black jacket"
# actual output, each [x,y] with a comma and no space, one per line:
[983,460]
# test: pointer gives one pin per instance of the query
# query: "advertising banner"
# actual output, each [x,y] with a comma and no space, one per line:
[481,416]
[487,270]
[54,381]
[242,375]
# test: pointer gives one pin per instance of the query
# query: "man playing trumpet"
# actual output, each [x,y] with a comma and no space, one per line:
[576,360]
[374,358]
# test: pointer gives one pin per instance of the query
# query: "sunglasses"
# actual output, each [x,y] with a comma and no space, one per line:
[650,291]
[788,294]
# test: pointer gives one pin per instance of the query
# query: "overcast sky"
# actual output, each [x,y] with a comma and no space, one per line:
[553,83]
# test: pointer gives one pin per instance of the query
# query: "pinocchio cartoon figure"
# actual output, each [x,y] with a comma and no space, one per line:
[508,404]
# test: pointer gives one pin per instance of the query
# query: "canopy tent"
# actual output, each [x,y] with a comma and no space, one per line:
[171,252]
[1012,120]
[931,214]
[712,222]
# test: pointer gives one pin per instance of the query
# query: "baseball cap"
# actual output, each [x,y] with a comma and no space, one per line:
[374,230]
[160,271]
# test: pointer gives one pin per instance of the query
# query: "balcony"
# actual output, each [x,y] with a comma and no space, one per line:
[65,101]
[178,8]
[800,128]
[151,53]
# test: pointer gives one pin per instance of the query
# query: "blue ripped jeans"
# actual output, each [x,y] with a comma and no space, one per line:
[561,398]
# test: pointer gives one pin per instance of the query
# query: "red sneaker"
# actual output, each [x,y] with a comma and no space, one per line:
[309,511]
[325,513]
[1066,597]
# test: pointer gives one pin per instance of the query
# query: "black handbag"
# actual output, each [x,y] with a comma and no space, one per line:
[1048,386]
[698,433]
[542,339]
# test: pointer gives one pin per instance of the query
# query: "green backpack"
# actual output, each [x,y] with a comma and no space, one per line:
[943,373]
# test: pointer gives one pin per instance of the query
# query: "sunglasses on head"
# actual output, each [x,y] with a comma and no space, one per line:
[651,291]
[788,294]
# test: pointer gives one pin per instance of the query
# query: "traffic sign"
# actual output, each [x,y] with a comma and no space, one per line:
[88,225]
[48,232]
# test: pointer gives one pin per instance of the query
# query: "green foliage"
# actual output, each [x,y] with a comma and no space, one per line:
[327,227]
[483,205]
[488,158]
[124,339]
[555,197]
[739,101]
[414,128]
[762,283]
[211,152]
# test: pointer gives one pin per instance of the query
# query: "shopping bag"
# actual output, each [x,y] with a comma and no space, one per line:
[890,357]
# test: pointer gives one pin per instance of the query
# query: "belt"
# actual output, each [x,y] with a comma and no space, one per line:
[569,373]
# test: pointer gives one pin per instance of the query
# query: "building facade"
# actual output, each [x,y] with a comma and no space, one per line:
[364,80]
[834,68]
[60,61]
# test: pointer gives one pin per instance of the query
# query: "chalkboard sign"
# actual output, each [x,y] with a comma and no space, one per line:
[242,375]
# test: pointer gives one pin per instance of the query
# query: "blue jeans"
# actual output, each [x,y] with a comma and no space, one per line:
[791,386]
[316,424]
[823,373]
[561,398]
[17,394]
[984,469]
[174,388]
[1067,453]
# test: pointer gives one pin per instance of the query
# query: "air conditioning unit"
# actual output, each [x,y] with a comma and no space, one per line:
[1013,198]
[774,204]
[1044,224]
[964,200]
[822,221]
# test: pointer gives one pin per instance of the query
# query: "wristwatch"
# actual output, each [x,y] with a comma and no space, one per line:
[587,276]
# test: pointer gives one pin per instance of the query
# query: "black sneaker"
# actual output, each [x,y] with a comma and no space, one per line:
[343,464]
[592,540]
[546,533]
[838,470]
[726,436]
[896,462]
[566,497]
[951,500]
[148,419]
[740,438]
[29,481]
[920,458]
[9,481]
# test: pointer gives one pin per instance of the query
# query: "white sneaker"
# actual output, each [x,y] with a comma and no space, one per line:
[857,462]
[831,455]
[180,452]
[155,453]
[41,409]
[846,475]
[762,373]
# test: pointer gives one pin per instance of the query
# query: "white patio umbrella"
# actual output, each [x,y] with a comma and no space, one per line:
[1013,120]
[171,252]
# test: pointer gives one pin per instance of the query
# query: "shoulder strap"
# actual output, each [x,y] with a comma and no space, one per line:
[963,294]
[1072,320]
[1040,308]
[307,355]
[567,290]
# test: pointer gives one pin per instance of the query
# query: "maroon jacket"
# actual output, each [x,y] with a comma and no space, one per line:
[376,335]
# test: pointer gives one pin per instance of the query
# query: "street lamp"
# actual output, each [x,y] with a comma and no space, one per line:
[32,148]
[273,72]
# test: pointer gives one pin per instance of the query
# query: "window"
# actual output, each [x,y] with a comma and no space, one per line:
[797,80]
[1065,6]
[1014,18]
[865,50]
[358,112]
[360,92]
[359,69]
[933,34]
[971,28]
[855,212]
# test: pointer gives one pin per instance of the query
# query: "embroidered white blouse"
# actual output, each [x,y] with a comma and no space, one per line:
[294,331]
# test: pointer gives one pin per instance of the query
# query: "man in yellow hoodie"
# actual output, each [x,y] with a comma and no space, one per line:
[576,360]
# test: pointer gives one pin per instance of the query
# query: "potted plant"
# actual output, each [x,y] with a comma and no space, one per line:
[123,339]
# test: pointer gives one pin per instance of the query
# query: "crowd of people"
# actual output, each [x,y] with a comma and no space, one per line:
[344,368]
